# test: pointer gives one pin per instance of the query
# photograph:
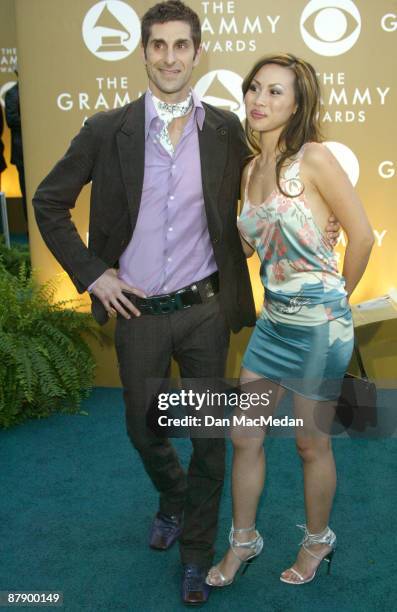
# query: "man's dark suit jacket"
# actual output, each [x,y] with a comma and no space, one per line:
[3,164]
[13,118]
[109,151]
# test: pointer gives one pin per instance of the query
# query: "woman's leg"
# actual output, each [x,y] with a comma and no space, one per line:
[248,473]
[319,474]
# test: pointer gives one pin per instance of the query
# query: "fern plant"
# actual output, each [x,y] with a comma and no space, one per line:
[14,257]
[46,364]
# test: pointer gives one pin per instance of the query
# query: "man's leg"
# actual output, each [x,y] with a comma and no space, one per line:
[201,337]
[144,348]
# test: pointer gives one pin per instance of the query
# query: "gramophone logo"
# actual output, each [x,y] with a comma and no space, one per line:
[111,30]
[222,88]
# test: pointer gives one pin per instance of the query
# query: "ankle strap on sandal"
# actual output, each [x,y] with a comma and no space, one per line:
[327,536]
[243,530]
[256,544]
[236,544]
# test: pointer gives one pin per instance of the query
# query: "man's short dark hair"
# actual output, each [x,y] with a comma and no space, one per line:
[173,10]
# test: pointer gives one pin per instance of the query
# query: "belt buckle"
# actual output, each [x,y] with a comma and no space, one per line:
[161,305]
[166,304]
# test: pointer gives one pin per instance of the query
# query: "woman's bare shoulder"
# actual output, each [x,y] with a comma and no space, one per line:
[317,154]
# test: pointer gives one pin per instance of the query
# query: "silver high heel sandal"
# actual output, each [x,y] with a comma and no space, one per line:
[325,537]
[255,545]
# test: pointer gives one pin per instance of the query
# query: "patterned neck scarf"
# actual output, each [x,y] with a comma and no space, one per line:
[167,112]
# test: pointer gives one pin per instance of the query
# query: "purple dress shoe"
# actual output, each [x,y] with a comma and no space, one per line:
[164,531]
[194,588]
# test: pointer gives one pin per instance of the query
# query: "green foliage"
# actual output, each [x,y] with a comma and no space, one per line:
[14,257]
[45,363]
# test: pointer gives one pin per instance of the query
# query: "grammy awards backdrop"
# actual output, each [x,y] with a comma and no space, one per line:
[82,57]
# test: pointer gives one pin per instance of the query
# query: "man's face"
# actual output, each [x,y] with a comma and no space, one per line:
[170,58]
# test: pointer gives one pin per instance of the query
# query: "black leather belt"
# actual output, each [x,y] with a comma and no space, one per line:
[197,293]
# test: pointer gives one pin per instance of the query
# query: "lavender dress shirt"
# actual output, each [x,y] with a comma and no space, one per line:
[171,246]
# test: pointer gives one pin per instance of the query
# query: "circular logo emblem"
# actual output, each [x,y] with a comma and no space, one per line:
[347,160]
[330,27]
[222,88]
[111,30]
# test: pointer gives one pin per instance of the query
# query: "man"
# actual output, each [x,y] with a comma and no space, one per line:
[165,174]
[13,118]
[3,164]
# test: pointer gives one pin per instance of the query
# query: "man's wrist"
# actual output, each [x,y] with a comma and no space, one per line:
[90,288]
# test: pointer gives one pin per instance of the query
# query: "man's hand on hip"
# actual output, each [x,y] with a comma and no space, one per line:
[109,290]
[333,230]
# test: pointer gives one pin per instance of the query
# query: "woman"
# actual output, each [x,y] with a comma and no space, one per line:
[303,338]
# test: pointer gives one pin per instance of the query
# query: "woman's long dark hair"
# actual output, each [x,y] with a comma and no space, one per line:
[304,124]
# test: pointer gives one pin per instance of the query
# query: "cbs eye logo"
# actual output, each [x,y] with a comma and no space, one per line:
[330,27]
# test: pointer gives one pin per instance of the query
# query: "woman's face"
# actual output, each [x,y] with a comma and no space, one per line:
[270,99]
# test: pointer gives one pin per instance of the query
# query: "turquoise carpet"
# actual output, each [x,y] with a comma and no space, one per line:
[76,506]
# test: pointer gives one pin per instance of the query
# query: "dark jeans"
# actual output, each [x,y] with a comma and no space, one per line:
[198,339]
